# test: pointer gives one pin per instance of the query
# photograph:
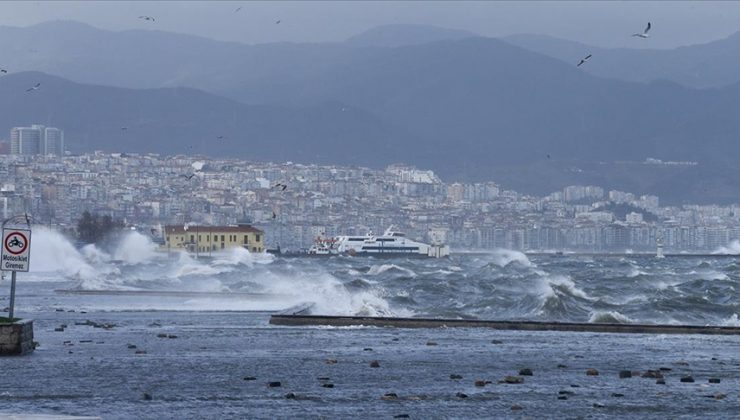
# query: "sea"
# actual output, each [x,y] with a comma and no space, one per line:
[132,332]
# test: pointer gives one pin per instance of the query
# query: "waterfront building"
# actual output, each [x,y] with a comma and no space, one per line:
[199,239]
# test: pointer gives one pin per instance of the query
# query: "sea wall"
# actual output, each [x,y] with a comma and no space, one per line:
[16,338]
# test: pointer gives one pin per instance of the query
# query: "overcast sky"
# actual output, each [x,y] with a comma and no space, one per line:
[608,24]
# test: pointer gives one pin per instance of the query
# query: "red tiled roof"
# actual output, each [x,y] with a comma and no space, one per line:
[180,229]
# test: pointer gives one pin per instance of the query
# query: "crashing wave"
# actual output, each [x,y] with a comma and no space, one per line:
[609,317]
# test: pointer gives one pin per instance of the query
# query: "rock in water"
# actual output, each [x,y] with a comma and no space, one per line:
[331,361]
[525,372]
[250,378]
[275,384]
[327,385]
[660,382]
[455,376]
[431,343]
[480,383]
[374,364]
[625,374]
[513,380]
[290,396]
[389,396]
[592,372]
[147,397]
[461,395]
[401,416]
[714,380]
[516,407]
[652,374]
[687,379]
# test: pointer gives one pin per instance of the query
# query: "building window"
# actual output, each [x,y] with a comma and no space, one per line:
[199,238]
[223,238]
[222,245]
[246,239]
[254,249]
[257,237]
[192,238]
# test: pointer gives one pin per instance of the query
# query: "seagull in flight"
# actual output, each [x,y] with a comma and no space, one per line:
[238,9]
[277,22]
[147,18]
[124,128]
[220,137]
[34,87]
[282,186]
[644,33]
[189,177]
[3,71]
[583,60]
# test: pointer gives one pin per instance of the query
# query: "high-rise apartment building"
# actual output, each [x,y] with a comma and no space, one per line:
[35,140]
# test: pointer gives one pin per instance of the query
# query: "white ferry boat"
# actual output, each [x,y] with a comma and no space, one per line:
[392,243]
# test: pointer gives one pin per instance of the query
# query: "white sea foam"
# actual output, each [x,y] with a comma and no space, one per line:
[239,255]
[733,248]
[504,257]
[732,321]
[135,248]
[609,317]
[95,255]
[380,269]
[547,287]
[52,252]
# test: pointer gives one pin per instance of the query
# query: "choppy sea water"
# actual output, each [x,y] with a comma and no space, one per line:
[217,310]
[501,284]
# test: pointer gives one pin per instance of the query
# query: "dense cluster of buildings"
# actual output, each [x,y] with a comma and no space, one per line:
[293,204]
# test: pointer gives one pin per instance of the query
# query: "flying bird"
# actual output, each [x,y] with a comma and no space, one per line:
[220,137]
[189,177]
[147,18]
[583,60]
[3,71]
[124,128]
[277,22]
[35,87]
[644,33]
[238,9]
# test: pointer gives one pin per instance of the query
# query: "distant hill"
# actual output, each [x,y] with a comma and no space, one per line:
[397,35]
[183,120]
[713,64]
[469,108]
[154,59]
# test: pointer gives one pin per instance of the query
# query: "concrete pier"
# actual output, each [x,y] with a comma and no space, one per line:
[17,338]
[345,321]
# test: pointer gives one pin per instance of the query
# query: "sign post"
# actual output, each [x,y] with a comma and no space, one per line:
[15,256]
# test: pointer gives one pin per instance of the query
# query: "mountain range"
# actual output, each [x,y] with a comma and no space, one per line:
[514,110]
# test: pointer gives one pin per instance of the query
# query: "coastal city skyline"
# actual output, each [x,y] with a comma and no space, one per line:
[150,190]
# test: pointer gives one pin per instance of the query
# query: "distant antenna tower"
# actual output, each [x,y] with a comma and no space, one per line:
[659,251]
